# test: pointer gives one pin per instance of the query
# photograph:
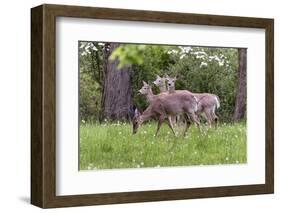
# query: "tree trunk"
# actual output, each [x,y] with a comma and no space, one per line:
[117,91]
[241,93]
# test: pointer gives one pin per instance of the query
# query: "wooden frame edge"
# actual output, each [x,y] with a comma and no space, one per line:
[36,106]
[43,103]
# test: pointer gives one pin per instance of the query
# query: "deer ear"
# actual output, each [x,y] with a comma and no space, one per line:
[144,83]
[167,77]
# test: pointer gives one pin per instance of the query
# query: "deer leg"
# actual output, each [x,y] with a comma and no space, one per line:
[215,118]
[198,116]
[173,119]
[170,124]
[209,116]
[195,120]
[160,121]
[187,125]
[204,116]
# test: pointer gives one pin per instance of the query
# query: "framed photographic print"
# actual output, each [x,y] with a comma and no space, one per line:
[136,106]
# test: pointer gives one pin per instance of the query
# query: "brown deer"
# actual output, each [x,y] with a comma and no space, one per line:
[207,103]
[147,92]
[164,106]
[160,83]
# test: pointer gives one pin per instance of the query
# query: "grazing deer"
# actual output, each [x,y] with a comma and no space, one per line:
[160,83]
[165,106]
[147,91]
[207,103]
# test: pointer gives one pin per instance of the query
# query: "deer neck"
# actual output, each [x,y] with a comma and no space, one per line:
[150,96]
[162,88]
[171,90]
[146,115]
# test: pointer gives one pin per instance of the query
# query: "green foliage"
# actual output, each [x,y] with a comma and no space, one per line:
[89,104]
[90,79]
[112,145]
[128,54]
[209,70]
[198,69]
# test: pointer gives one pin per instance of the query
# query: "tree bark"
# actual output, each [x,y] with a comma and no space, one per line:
[117,101]
[241,93]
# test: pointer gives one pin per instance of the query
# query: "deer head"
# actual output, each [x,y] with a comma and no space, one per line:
[171,83]
[161,83]
[146,89]
[137,121]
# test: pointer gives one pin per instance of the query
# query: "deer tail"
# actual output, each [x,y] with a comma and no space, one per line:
[217,101]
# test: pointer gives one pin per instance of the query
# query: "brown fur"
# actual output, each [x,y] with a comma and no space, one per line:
[207,103]
[165,106]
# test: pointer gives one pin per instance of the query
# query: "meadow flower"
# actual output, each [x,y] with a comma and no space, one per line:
[138,166]
[83,121]
[120,133]
[142,163]
[237,161]
[226,158]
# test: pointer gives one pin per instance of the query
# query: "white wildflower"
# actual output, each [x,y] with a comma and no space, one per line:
[203,64]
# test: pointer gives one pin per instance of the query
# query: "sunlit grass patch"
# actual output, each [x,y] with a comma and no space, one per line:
[112,145]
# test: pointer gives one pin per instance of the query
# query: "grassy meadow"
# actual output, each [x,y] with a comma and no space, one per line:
[112,146]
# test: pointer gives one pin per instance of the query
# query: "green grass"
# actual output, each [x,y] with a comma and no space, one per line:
[108,146]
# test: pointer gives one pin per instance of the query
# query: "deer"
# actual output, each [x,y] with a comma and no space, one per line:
[162,107]
[147,91]
[207,102]
[160,83]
